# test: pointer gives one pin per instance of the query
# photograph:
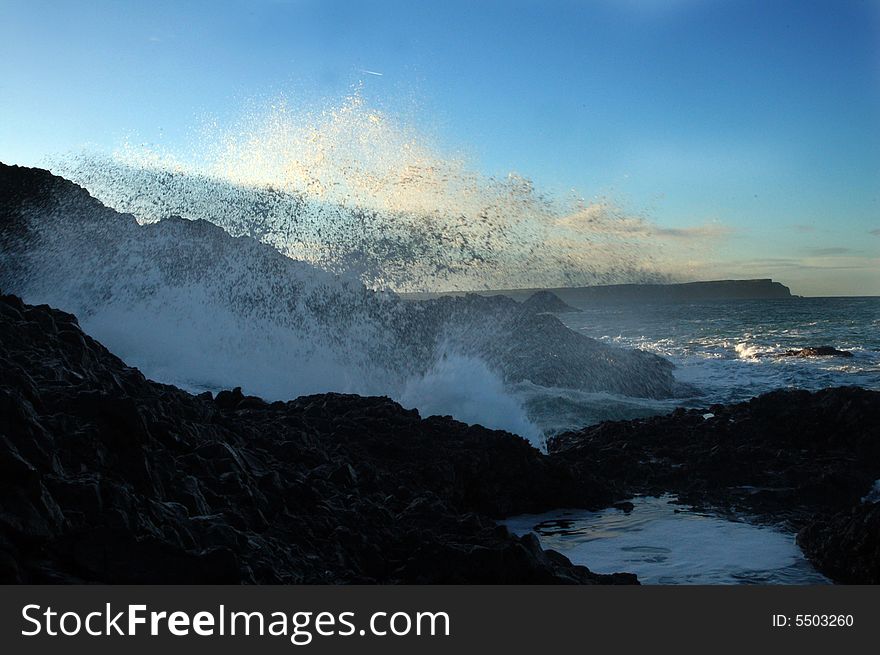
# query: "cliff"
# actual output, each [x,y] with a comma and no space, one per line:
[762,289]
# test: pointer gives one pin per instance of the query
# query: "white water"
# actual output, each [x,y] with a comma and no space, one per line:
[203,347]
[466,388]
[190,306]
[730,350]
[219,331]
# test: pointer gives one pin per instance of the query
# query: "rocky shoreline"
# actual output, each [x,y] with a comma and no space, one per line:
[108,477]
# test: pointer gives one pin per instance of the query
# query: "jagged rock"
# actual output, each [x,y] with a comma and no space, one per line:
[846,545]
[108,477]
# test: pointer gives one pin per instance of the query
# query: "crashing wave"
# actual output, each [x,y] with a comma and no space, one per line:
[360,191]
[192,305]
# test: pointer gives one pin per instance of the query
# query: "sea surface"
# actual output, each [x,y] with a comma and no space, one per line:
[725,351]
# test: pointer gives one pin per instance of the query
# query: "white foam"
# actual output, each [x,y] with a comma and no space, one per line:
[180,337]
[192,307]
[747,350]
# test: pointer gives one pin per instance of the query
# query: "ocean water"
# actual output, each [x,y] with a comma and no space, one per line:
[727,351]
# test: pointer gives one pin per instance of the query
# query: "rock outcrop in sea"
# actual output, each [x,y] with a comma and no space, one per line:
[817,351]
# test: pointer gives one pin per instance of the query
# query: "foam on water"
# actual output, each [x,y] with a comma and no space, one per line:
[557,409]
[212,348]
[748,351]
[730,350]
[664,544]
[192,307]
[183,338]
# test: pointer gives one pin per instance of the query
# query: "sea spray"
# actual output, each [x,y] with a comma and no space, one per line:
[466,388]
[356,190]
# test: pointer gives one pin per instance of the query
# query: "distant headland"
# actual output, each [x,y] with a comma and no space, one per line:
[759,289]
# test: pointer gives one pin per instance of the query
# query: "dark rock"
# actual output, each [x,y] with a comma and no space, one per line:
[846,545]
[227,399]
[816,351]
[106,477]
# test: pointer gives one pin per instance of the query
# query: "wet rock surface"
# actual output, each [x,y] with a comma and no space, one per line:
[846,545]
[817,351]
[108,477]
[803,460]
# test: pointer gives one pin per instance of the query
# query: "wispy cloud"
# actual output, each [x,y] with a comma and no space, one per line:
[820,263]
[830,252]
[602,217]
[705,231]
[876,232]
[803,228]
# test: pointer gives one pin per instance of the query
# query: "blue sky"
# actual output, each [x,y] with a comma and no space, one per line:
[759,118]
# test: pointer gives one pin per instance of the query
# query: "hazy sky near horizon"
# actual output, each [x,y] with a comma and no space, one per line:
[749,132]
